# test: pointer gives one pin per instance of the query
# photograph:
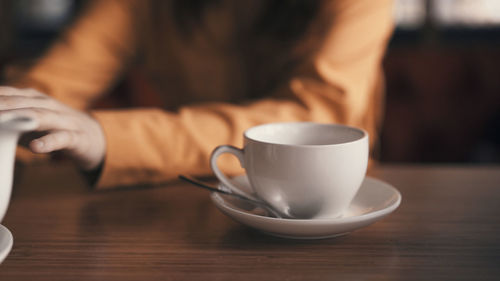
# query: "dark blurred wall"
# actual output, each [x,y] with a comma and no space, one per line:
[27,27]
[6,29]
[443,97]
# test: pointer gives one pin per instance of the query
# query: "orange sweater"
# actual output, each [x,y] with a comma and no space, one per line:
[341,82]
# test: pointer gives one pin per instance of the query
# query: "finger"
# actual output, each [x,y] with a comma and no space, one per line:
[27,92]
[47,119]
[26,138]
[58,140]
[8,102]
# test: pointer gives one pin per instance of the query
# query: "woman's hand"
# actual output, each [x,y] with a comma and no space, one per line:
[62,127]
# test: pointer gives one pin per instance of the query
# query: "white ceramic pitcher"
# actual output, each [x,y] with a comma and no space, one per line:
[11,127]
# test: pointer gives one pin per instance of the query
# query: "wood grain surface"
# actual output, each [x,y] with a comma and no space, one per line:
[447,228]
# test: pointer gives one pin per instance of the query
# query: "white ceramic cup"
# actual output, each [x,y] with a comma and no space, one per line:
[308,170]
[11,127]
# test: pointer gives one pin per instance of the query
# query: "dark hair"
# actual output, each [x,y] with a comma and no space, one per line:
[267,46]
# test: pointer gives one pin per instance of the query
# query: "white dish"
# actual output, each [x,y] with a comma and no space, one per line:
[374,200]
[6,241]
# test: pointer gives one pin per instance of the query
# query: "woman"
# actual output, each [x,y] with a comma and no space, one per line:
[218,68]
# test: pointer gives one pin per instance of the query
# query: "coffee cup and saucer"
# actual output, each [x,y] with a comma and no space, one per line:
[315,173]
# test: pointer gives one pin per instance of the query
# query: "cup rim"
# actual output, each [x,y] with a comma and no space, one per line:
[364,135]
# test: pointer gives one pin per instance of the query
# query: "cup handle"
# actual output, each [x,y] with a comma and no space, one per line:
[223,178]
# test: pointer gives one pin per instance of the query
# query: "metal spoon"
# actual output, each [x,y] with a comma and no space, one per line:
[256,203]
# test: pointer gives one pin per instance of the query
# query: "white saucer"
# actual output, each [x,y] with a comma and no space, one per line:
[374,200]
[6,241]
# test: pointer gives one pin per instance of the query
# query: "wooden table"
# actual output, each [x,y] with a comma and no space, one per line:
[447,227]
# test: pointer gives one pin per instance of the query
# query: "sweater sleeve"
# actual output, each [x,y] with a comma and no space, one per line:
[342,84]
[86,60]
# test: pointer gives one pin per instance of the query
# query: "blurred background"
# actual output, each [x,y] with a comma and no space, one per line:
[443,79]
